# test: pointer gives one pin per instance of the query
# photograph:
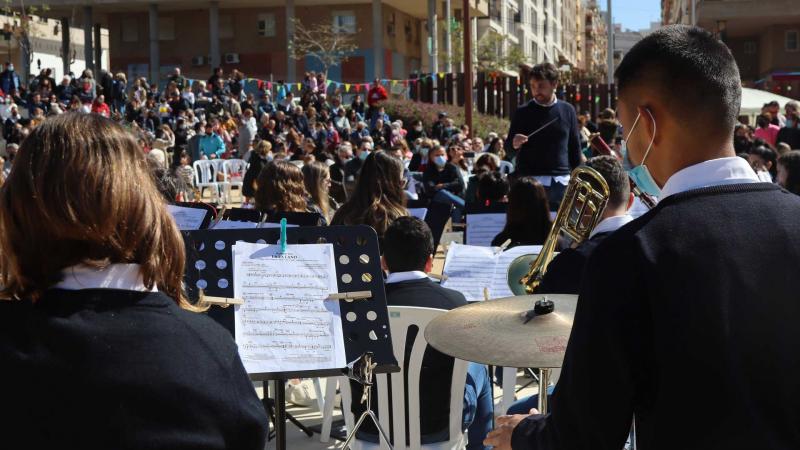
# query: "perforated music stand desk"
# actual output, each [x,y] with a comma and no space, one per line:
[357,259]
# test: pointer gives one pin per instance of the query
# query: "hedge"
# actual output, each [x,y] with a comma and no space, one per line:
[409,110]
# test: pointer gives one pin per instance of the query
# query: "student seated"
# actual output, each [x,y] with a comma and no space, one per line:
[99,346]
[281,189]
[408,256]
[528,215]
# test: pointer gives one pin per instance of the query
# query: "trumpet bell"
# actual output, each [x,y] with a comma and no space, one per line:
[518,269]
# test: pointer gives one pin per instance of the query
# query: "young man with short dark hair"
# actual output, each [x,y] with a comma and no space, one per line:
[545,135]
[564,274]
[407,256]
[685,286]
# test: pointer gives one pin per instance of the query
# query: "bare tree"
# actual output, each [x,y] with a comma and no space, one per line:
[324,42]
[22,29]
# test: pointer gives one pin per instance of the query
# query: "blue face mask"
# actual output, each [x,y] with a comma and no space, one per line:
[363,155]
[440,161]
[424,151]
[640,174]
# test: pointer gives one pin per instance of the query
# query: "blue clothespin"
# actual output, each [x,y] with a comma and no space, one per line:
[283,235]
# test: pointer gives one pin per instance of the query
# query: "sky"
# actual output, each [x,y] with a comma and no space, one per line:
[634,14]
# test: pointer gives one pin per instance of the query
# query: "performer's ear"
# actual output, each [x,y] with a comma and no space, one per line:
[428,264]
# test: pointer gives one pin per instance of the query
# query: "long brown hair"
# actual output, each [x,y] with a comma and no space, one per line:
[280,188]
[81,192]
[314,177]
[528,216]
[378,198]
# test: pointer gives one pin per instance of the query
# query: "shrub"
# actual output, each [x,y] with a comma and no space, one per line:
[428,113]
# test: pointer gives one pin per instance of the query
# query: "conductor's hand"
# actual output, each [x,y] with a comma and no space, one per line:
[500,437]
[519,139]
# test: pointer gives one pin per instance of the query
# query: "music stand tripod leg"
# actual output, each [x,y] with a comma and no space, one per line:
[363,375]
[280,415]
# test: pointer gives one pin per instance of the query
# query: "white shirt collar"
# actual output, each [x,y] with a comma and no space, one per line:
[715,172]
[126,277]
[550,103]
[398,277]
[610,224]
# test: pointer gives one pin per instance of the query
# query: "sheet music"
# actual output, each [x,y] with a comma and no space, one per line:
[419,213]
[234,225]
[187,218]
[482,228]
[285,323]
[469,269]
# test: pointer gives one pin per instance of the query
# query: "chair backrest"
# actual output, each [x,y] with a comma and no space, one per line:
[234,169]
[203,173]
[401,320]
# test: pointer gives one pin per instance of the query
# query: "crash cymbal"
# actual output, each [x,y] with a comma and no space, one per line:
[494,331]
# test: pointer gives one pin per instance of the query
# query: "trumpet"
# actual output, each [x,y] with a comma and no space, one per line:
[579,212]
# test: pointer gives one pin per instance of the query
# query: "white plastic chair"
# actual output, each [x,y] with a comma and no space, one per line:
[204,173]
[401,318]
[233,170]
[223,184]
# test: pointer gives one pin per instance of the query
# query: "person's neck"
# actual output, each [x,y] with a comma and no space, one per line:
[613,212]
[676,158]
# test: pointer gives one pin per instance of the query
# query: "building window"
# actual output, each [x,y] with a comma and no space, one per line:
[266,25]
[344,22]
[225,27]
[792,41]
[166,29]
[130,30]
[750,47]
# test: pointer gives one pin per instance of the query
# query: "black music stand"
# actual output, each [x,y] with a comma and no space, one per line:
[211,212]
[365,323]
[242,215]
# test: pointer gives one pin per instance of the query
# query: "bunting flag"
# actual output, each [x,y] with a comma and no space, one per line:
[358,88]
[347,87]
[299,86]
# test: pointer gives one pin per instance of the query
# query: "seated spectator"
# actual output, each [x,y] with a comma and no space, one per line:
[443,182]
[261,156]
[378,198]
[764,161]
[344,153]
[765,130]
[487,162]
[408,255]
[280,189]
[789,172]
[492,188]
[528,215]
[99,304]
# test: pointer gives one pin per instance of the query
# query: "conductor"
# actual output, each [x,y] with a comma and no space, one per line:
[544,135]
[692,321]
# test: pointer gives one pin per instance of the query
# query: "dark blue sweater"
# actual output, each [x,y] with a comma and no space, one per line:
[556,149]
[688,319]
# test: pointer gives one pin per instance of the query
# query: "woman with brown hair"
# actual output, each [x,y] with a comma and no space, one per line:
[317,180]
[92,265]
[378,198]
[528,214]
[280,189]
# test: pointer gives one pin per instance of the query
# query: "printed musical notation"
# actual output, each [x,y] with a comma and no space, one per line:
[471,270]
[285,324]
[187,218]
[482,228]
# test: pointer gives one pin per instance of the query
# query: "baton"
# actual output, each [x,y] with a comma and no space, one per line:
[542,127]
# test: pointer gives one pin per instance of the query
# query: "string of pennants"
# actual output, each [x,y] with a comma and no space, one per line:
[298,87]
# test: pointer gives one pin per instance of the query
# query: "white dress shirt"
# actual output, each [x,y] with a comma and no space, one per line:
[126,277]
[714,172]
[399,277]
[610,224]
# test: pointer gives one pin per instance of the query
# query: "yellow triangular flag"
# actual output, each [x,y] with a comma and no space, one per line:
[347,87]
[299,86]
[441,74]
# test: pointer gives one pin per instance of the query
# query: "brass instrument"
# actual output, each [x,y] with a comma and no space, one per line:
[584,202]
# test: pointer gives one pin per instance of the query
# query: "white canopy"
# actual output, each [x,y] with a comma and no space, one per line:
[754,99]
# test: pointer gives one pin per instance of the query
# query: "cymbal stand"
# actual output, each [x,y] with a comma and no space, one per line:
[361,371]
[544,383]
